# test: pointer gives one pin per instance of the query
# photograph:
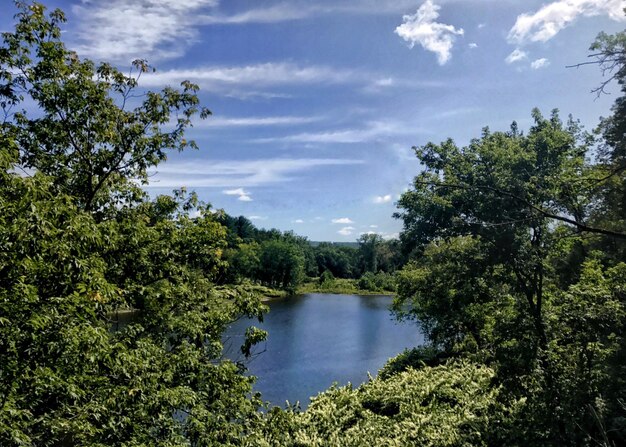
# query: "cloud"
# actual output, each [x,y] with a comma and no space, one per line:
[257,75]
[276,13]
[385,82]
[244,196]
[239,173]
[389,236]
[343,220]
[346,231]
[432,36]
[298,10]
[298,221]
[257,80]
[382,199]
[374,131]
[516,56]
[373,226]
[255,121]
[123,30]
[551,18]
[257,217]
[539,63]
[472,45]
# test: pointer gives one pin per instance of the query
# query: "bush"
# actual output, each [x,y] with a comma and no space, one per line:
[377,282]
[449,405]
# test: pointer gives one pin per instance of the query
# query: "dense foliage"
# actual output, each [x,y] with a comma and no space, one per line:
[286,261]
[517,260]
[79,241]
[453,405]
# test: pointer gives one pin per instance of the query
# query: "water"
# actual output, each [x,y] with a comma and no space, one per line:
[317,339]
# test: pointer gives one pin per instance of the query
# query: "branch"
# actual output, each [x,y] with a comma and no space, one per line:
[579,225]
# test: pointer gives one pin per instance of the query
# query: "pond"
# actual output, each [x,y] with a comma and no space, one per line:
[317,339]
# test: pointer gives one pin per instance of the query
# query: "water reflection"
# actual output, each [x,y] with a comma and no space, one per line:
[317,339]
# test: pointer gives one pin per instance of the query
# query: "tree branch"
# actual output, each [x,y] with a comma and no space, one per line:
[545,213]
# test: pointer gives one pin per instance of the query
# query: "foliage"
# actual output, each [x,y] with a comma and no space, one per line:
[78,240]
[378,282]
[448,405]
[501,273]
[454,292]
[282,264]
[416,358]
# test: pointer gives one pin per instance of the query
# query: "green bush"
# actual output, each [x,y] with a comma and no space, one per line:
[377,282]
[448,405]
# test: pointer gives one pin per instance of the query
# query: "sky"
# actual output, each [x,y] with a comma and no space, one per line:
[316,105]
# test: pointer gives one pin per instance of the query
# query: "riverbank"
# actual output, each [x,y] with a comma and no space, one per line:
[335,287]
[339,286]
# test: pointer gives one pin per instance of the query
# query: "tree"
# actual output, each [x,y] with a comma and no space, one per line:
[368,251]
[281,264]
[83,135]
[505,188]
[485,223]
[79,242]
[455,294]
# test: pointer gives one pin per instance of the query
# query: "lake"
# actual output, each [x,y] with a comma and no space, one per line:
[317,339]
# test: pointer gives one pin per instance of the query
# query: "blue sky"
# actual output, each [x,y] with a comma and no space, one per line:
[316,104]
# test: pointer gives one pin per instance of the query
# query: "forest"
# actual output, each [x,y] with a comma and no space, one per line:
[512,260]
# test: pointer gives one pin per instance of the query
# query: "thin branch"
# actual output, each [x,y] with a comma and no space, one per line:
[545,213]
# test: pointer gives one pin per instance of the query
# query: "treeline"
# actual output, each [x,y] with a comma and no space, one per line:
[285,260]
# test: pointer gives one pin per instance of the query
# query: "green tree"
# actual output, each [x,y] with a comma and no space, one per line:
[79,242]
[369,252]
[281,264]
[455,294]
[486,224]
[83,134]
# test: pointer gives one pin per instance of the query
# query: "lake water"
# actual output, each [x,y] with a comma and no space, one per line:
[317,339]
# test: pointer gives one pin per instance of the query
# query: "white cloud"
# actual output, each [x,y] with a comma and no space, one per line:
[294,10]
[343,220]
[258,80]
[539,63]
[123,30]
[551,18]
[382,199]
[234,192]
[385,82]
[298,221]
[389,236]
[373,226]
[239,173]
[473,45]
[265,74]
[375,130]
[346,231]
[276,13]
[431,35]
[257,217]
[516,56]
[244,196]
[255,121]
